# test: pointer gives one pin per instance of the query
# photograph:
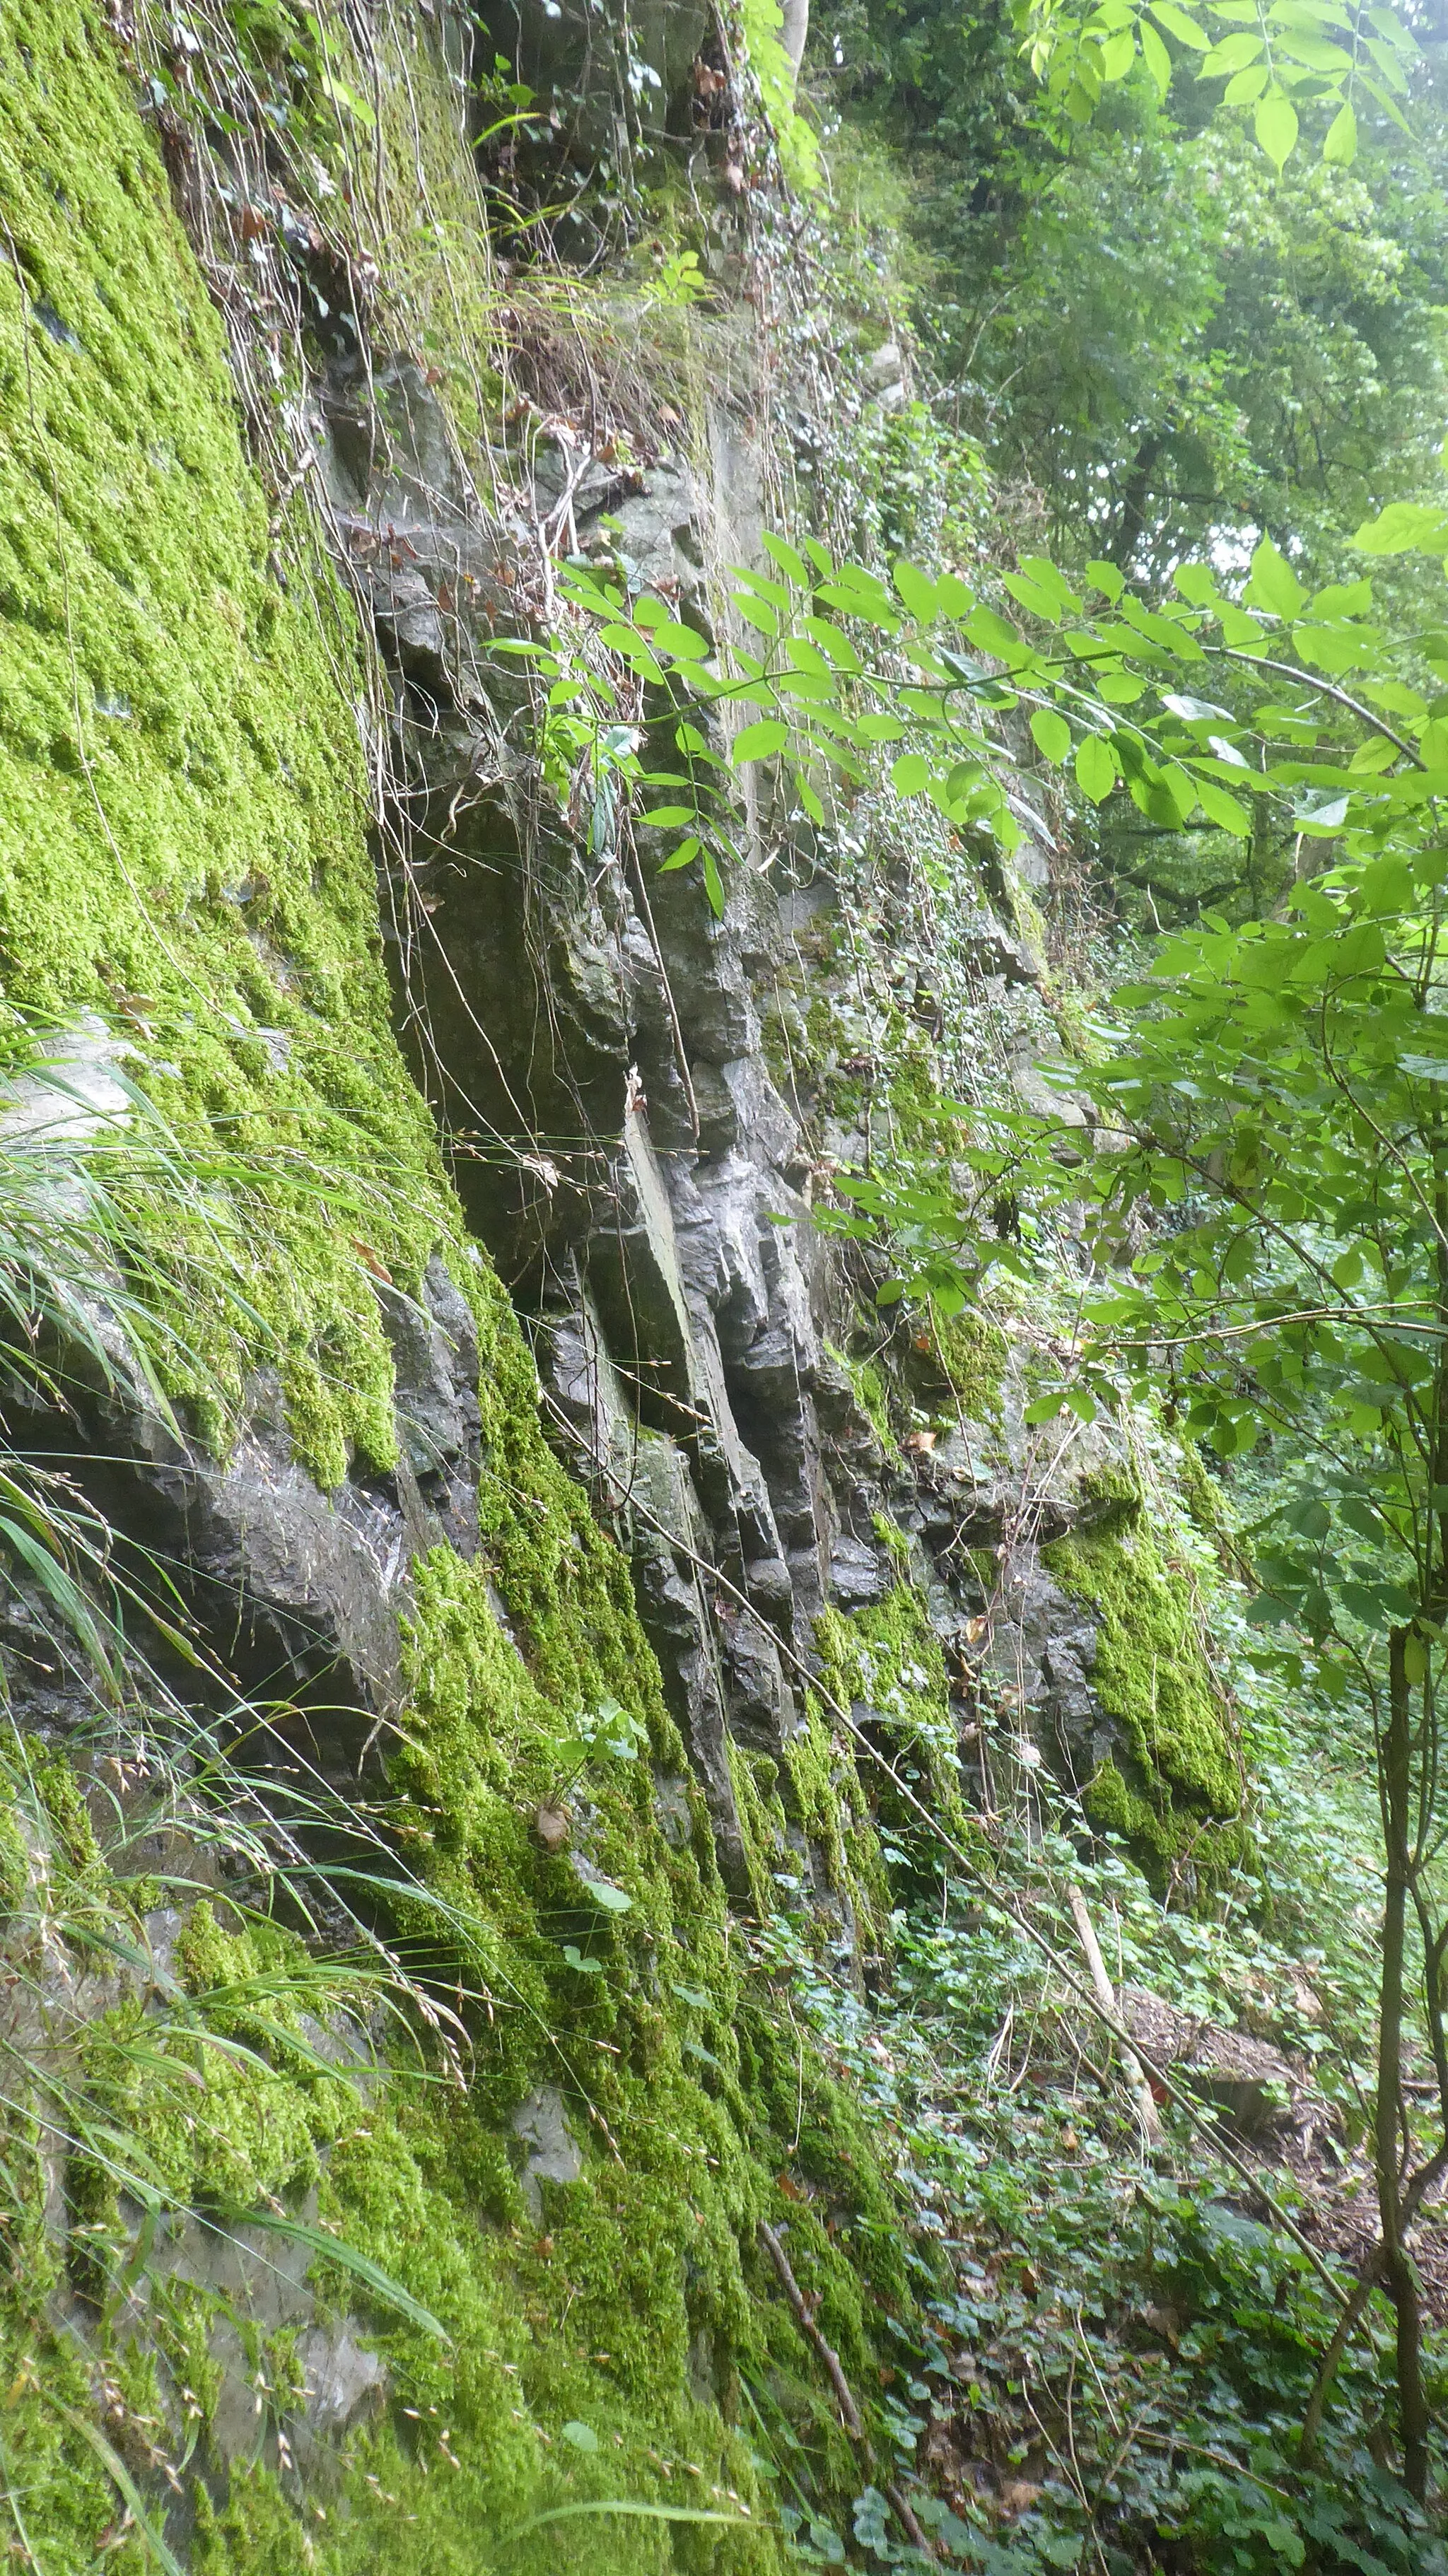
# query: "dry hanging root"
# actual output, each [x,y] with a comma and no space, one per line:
[849,2411]
[1131,2067]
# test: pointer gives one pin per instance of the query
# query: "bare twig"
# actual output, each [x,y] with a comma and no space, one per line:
[850,2416]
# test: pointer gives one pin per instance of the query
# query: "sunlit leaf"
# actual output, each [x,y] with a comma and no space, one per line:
[1095,767]
[1340,141]
[1155,56]
[791,563]
[1405,527]
[1274,585]
[1275,126]
[917,591]
[1177,23]
[759,741]
[1051,734]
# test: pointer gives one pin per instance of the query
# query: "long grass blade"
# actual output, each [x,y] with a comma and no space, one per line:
[626,2505]
[336,2249]
[116,2469]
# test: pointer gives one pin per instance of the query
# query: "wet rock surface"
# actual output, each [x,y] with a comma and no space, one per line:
[595,1044]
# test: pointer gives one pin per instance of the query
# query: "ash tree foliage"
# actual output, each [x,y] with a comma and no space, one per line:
[1168,340]
[1165,336]
[1273,59]
[1263,1224]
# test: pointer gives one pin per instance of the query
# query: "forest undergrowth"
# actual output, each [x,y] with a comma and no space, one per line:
[1128,2345]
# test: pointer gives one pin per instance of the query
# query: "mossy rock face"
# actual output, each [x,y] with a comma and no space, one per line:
[1173,1787]
[885,1666]
[184,797]
[184,819]
[960,1362]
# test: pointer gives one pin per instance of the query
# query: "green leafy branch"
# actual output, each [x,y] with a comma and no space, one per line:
[1274,56]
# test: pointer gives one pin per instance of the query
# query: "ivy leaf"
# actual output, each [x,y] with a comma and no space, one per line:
[614,1900]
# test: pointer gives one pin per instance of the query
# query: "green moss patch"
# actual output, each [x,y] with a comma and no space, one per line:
[1179,1787]
[184,799]
[885,1665]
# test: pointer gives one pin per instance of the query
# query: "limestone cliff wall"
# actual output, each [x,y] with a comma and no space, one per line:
[530,1497]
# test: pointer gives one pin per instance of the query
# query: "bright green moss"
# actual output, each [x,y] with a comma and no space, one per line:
[885,1666]
[69,1831]
[847,2230]
[14,1860]
[1201,1493]
[230,2116]
[64,2494]
[437,270]
[1109,1497]
[869,1389]
[255,2529]
[184,811]
[1151,1675]
[183,794]
[973,1353]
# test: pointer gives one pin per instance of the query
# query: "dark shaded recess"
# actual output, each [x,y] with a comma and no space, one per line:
[511,1016]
